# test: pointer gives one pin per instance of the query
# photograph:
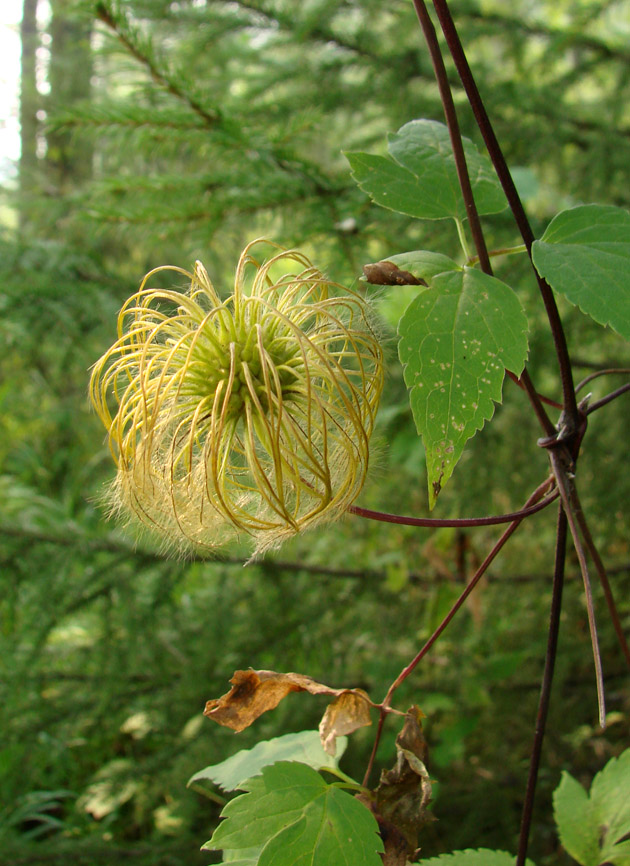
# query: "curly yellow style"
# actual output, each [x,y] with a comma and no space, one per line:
[251,414]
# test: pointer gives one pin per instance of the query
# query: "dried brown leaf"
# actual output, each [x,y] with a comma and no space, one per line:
[389,274]
[255,692]
[350,710]
[404,792]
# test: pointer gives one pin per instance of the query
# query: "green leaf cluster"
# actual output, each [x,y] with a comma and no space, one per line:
[289,815]
[421,179]
[461,332]
[595,828]
[98,631]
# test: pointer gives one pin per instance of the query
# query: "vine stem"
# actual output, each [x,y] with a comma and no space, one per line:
[498,160]
[545,687]
[608,398]
[456,139]
[608,372]
[452,123]
[541,397]
[402,676]
[435,522]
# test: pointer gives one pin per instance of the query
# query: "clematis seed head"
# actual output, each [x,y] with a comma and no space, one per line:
[245,415]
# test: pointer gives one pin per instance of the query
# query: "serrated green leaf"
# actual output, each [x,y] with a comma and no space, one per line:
[421,179]
[305,747]
[297,818]
[592,828]
[457,338]
[479,857]
[572,813]
[585,255]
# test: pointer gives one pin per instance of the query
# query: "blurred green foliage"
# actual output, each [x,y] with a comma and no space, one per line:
[211,123]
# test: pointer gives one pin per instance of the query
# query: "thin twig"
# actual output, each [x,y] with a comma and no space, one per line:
[608,398]
[541,397]
[435,522]
[545,687]
[402,676]
[607,372]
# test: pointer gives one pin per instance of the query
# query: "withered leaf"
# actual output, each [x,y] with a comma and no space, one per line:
[255,692]
[350,710]
[389,274]
[404,792]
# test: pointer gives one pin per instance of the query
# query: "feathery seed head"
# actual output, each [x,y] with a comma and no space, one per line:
[251,414]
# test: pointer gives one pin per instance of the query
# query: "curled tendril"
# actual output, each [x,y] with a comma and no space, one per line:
[251,414]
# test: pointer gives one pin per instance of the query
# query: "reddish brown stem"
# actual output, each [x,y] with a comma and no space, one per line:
[402,676]
[435,522]
[545,687]
[608,372]
[608,398]
[541,397]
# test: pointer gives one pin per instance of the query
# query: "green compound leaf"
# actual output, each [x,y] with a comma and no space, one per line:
[585,255]
[295,818]
[421,179]
[457,338]
[480,857]
[304,746]
[595,829]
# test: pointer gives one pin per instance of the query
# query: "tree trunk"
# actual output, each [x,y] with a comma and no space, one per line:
[29,105]
[68,157]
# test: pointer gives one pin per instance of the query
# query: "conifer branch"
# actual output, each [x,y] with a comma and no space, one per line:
[130,40]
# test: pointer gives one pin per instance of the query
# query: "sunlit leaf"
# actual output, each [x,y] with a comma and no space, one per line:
[595,828]
[305,747]
[296,818]
[457,338]
[421,179]
[585,255]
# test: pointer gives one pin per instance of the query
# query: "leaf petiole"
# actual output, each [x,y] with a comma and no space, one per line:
[504,251]
[335,771]
[464,241]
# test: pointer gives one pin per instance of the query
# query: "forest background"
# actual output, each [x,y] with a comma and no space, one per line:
[157,132]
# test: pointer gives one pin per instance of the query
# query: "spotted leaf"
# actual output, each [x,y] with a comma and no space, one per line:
[457,338]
